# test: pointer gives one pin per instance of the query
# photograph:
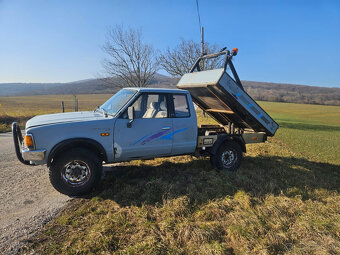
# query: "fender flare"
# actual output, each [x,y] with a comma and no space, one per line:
[225,138]
[77,142]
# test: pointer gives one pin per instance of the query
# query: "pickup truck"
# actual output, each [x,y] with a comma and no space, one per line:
[145,123]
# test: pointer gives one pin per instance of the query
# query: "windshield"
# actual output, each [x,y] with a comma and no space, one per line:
[117,102]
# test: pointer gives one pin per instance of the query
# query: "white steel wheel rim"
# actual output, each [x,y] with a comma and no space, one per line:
[76,173]
[228,157]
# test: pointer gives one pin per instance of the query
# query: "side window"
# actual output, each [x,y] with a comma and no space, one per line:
[156,106]
[181,106]
[148,106]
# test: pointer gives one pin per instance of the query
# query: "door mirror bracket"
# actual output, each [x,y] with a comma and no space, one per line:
[131,116]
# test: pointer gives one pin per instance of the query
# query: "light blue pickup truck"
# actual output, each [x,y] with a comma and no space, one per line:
[145,123]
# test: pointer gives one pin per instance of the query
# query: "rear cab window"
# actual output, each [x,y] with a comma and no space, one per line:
[181,106]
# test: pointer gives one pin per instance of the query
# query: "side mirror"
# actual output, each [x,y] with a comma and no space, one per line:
[131,116]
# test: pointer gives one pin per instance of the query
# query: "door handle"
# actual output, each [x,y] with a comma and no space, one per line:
[166,128]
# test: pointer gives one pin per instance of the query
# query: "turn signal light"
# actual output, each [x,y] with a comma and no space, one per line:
[104,134]
[29,141]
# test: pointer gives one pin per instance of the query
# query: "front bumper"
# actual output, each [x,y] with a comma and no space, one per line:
[36,155]
[24,155]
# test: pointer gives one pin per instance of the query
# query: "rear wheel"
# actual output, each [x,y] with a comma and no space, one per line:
[228,157]
[75,172]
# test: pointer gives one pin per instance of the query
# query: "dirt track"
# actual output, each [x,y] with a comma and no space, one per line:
[27,198]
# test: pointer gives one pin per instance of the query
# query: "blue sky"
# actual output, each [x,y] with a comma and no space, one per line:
[279,41]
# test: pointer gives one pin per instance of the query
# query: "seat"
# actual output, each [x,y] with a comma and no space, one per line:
[162,113]
[150,111]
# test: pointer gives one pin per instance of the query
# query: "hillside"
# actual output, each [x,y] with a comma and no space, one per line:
[89,86]
[262,91]
[292,93]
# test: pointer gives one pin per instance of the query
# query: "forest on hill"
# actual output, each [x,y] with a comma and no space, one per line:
[291,93]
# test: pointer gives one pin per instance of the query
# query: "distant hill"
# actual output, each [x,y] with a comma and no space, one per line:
[89,86]
[264,91]
[292,93]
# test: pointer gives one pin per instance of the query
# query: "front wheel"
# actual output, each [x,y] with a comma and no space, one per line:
[228,157]
[75,172]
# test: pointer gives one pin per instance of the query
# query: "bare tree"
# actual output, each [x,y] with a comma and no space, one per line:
[130,62]
[179,60]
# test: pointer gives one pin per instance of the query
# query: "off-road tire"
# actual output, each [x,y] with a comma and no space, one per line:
[228,157]
[78,158]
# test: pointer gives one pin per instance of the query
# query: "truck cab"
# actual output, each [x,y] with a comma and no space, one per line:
[163,123]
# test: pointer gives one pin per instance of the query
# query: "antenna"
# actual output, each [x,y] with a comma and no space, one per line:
[201,28]
[202,41]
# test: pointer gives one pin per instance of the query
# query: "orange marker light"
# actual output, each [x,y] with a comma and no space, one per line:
[235,51]
[104,134]
[29,141]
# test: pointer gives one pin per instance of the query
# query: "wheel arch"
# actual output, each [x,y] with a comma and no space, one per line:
[223,138]
[88,143]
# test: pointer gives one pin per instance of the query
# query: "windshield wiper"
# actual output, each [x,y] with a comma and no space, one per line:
[104,112]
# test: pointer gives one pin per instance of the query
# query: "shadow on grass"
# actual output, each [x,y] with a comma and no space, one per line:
[260,176]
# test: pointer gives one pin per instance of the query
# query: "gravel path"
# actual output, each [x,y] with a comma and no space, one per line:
[27,198]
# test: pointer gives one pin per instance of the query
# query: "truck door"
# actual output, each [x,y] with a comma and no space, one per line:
[146,138]
[184,136]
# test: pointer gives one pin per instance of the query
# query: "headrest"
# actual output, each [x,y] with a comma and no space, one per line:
[153,105]
[162,106]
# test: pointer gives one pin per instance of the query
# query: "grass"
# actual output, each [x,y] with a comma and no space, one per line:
[34,105]
[22,108]
[283,200]
[276,203]
[313,131]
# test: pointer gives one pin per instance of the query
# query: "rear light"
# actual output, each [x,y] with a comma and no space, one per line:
[29,141]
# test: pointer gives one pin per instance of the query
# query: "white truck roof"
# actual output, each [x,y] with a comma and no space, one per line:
[163,90]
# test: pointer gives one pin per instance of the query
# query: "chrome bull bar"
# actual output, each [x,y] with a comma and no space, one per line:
[18,139]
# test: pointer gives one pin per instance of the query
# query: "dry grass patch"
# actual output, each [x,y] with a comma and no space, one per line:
[23,108]
[6,122]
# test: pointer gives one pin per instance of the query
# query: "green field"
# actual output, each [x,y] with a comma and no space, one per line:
[312,131]
[283,200]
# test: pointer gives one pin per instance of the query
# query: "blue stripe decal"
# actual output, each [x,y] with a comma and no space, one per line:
[141,139]
[154,136]
[250,105]
[169,136]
